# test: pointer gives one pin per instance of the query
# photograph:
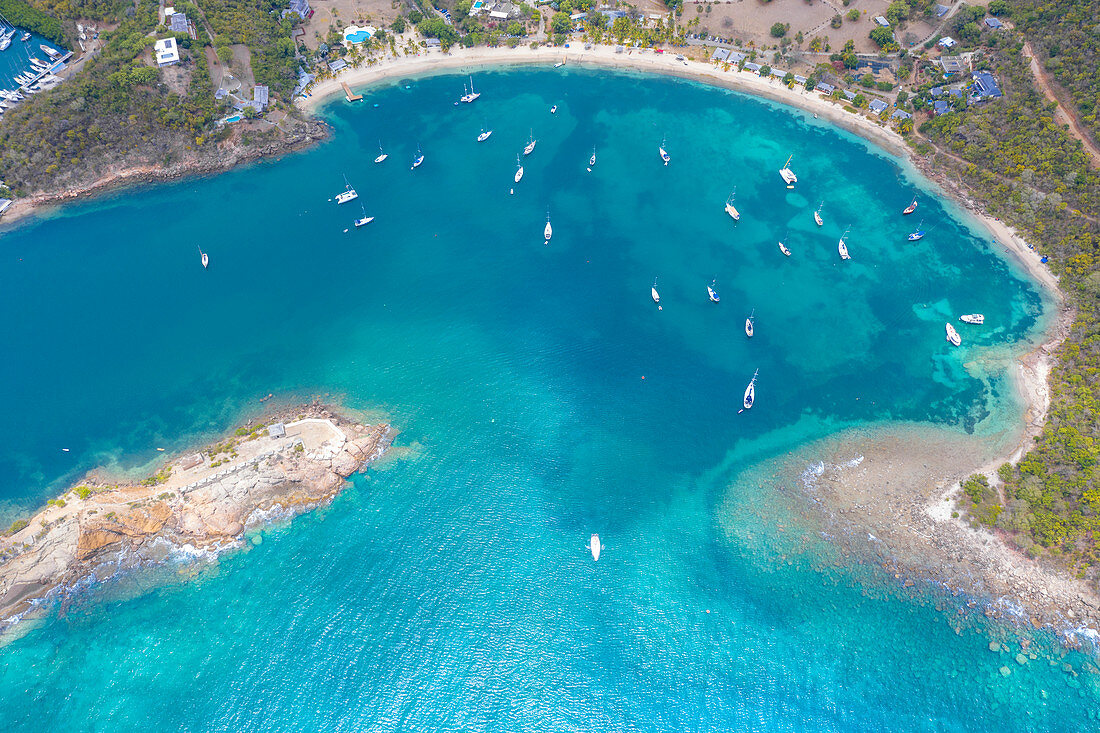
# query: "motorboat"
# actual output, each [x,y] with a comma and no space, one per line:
[364,220]
[843,247]
[787,174]
[547,231]
[530,146]
[558,66]
[49,51]
[750,392]
[348,194]
[953,335]
[595,546]
[519,170]
[749,330]
[976,318]
[664,154]
[910,208]
[418,159]
[712,293]
[817,214]
[484,135]
[382,155]
[731,209]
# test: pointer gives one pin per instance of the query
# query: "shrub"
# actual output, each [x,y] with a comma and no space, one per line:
[779,30]
[17,525]
[837,21]
[853,15]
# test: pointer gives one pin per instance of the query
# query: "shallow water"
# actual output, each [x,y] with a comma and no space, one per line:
[542,397]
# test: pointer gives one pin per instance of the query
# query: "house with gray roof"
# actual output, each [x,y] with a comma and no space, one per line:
[878,106]
[900,114]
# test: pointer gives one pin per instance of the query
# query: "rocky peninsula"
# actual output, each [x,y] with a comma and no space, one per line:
[201,501]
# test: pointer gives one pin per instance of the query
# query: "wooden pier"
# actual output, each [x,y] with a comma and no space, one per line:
[347,93]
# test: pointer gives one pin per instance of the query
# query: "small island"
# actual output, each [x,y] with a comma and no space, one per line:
[199,501]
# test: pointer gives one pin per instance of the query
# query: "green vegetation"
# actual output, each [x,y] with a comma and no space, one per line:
[83,492]
[17,525]
[884,39]
[158,478]
[779,30]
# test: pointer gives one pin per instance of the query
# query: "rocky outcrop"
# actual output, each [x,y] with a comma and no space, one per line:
[208,505]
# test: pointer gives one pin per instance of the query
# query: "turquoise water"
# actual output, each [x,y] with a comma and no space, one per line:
[451,588]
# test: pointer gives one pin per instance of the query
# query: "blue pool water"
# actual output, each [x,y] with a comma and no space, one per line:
[450,589]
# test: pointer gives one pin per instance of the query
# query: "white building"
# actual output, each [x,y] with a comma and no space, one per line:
[166,52]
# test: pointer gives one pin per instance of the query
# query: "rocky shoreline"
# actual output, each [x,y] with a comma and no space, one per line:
[202,501]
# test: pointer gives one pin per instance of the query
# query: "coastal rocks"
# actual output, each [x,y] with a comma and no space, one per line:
[201,508]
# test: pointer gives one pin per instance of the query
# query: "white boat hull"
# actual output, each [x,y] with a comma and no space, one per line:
[843,249]
[952,335]
[364,221]
[733,212]
[655,295]
[974,318]
[548,232]
[748,327]
[595,546]
[484,136]
[784,250]
[381,157]
[530,148]
[519,175]
[817,219]
[346,196]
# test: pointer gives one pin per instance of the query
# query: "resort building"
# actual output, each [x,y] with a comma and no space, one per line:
[951,64]
[878,106]
[300,8]
[260,98]
[948,42]
[900,114]
[337,65]
[166,52]
[826,89]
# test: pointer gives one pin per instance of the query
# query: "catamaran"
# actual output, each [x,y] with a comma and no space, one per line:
[484,135]
[205,258]
[654,294]
[953,335]
[548,231]
[910,208]
[418,159]
[843,247]
[750,391]
[664,154]
[749,323]
[469,96]
[348,194]
[519,170]
[530,147]
[712,292]
[787,174]
[365,220]
[595,546]
[784,250]
[976,318]
[919,234]
[731,209]
[817,214]
[382,155]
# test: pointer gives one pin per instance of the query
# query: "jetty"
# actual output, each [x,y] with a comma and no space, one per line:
[348,93]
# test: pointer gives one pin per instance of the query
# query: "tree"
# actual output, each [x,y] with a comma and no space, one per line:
[897,12]
[884,38]
[970,32]
[398,24]
[225,54]
[868,80]
[788,79]
[560,23]
[853,15]
[515,28]
[1000,7]
[779,30]
[436,28]
[837,21]
[461,9]
[765,71]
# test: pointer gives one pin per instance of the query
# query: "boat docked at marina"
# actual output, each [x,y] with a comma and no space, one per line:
[750,392]
[364,220]
[787,174]
[530,146]
[749,329]
[842,247]
[418,159]
[731,209]
[975,318]
[664,153]
[484,135]
[910,208]
[817,215]
[348,194]
[595,547]
[25,37]
[953,336]
[5,39]
[382,155]
[712,293]
[547,231]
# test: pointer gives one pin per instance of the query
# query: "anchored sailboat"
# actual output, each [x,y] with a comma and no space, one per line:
[530,147]
[484,135]
[784,250]
[205,258]
[918,234]
[418,159]
[817,214]
[749,330]
[910,208]
[595,546]
[592,160]
[519,170]
[731,209]
[365,220]
[654,294]
[787,174]
[548,231]
[750,392]
[843,247]
[712,293]
[664,154]
[348,194]
[382,155]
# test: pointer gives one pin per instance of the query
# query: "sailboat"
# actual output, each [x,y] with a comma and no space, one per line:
[976,318]
[548,231]
[418,159]
[382,155]
[843,247]
[784,250]
[712,292]
[554,110]
[918,234]
[787,174]
[731,209]
[348,194]
[664,154]
[654,294]
[749,323]
[25,37]
[365,220]
[484,135]
[530,147]
[595,546]
[5,39]
[592,160]
[519,170]
[953,335]
[471,95]
[750,391]
[205,258]
[817,214]
[910,208]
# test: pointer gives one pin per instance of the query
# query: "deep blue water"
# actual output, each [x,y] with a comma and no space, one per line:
[451,588]
[15,60]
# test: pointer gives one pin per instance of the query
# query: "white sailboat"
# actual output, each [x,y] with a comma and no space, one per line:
[910,208]
[664,154]
[348,194]
[548,231]
[817,214]
[418,159]
[365,220]
[484,135]
[731,209]
[712,293]
[787,174]
[595,546]
[592,160]
[519,170]
[654,294]
[204,258]
[749,330]
[975,318]
[530,147]
[382,155]
[750,392]
[952,335]
[843,247]
[472,95]
[554,110]
[784,250]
